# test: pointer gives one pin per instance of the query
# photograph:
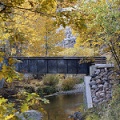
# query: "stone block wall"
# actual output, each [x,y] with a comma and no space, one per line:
[101,84]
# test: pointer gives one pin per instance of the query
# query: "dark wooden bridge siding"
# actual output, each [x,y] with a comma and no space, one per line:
[44,65]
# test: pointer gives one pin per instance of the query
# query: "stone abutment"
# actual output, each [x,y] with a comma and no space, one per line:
[98,86]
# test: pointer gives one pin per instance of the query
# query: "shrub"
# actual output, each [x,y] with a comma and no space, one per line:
[7,109]
[51,80]
[92,117]
[39,91]
[68,83]
[112,112]
[26,102]
[49,90]
[29,89]
[79,80]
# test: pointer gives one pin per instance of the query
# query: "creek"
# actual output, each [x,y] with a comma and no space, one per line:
[61,106]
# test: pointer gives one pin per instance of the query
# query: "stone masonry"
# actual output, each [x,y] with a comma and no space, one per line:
[101,84]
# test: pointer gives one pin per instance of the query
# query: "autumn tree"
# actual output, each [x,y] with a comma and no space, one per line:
[98,26]
[15,30]
[103,29]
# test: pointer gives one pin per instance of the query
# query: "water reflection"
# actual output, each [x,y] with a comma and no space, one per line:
[61,106]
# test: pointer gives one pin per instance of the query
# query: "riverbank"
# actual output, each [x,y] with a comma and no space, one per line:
[78,88]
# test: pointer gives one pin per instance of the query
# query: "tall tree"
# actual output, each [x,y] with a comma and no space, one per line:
[98,24]
[46,38]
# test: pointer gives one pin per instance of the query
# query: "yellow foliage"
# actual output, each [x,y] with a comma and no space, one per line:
[24,107]
[2,100]
[1,59]
[48,6]
[9,117]
[45,40]
[13,51]
[6,110]
[4,68]
[9,73]
[79,42]
[11,61]
[77,52]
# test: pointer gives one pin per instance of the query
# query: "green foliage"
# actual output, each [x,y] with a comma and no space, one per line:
[99,31]
[29,89]
[112,112]
[50,80]
[79,80]
[92,116]
[27,101]
[46,90]
[49,90]
[31,101]
[39,91]
[68,83]
[106,111]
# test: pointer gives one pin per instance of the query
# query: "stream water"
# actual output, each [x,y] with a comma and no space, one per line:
[62,106]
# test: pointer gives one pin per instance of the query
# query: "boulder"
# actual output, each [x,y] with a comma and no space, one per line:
[106,70]
[97,94]
[98,81]
[102,94]
[76,116]
[94,87]
[97,71]
[106,84]
[94,75]
[101,99]
[104,79]
[29,115]
[108,96]
[96,90]
[95,100]
[92,83]
[28,76]
[98,77]
[100,86]
[109,92]
[102,70]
